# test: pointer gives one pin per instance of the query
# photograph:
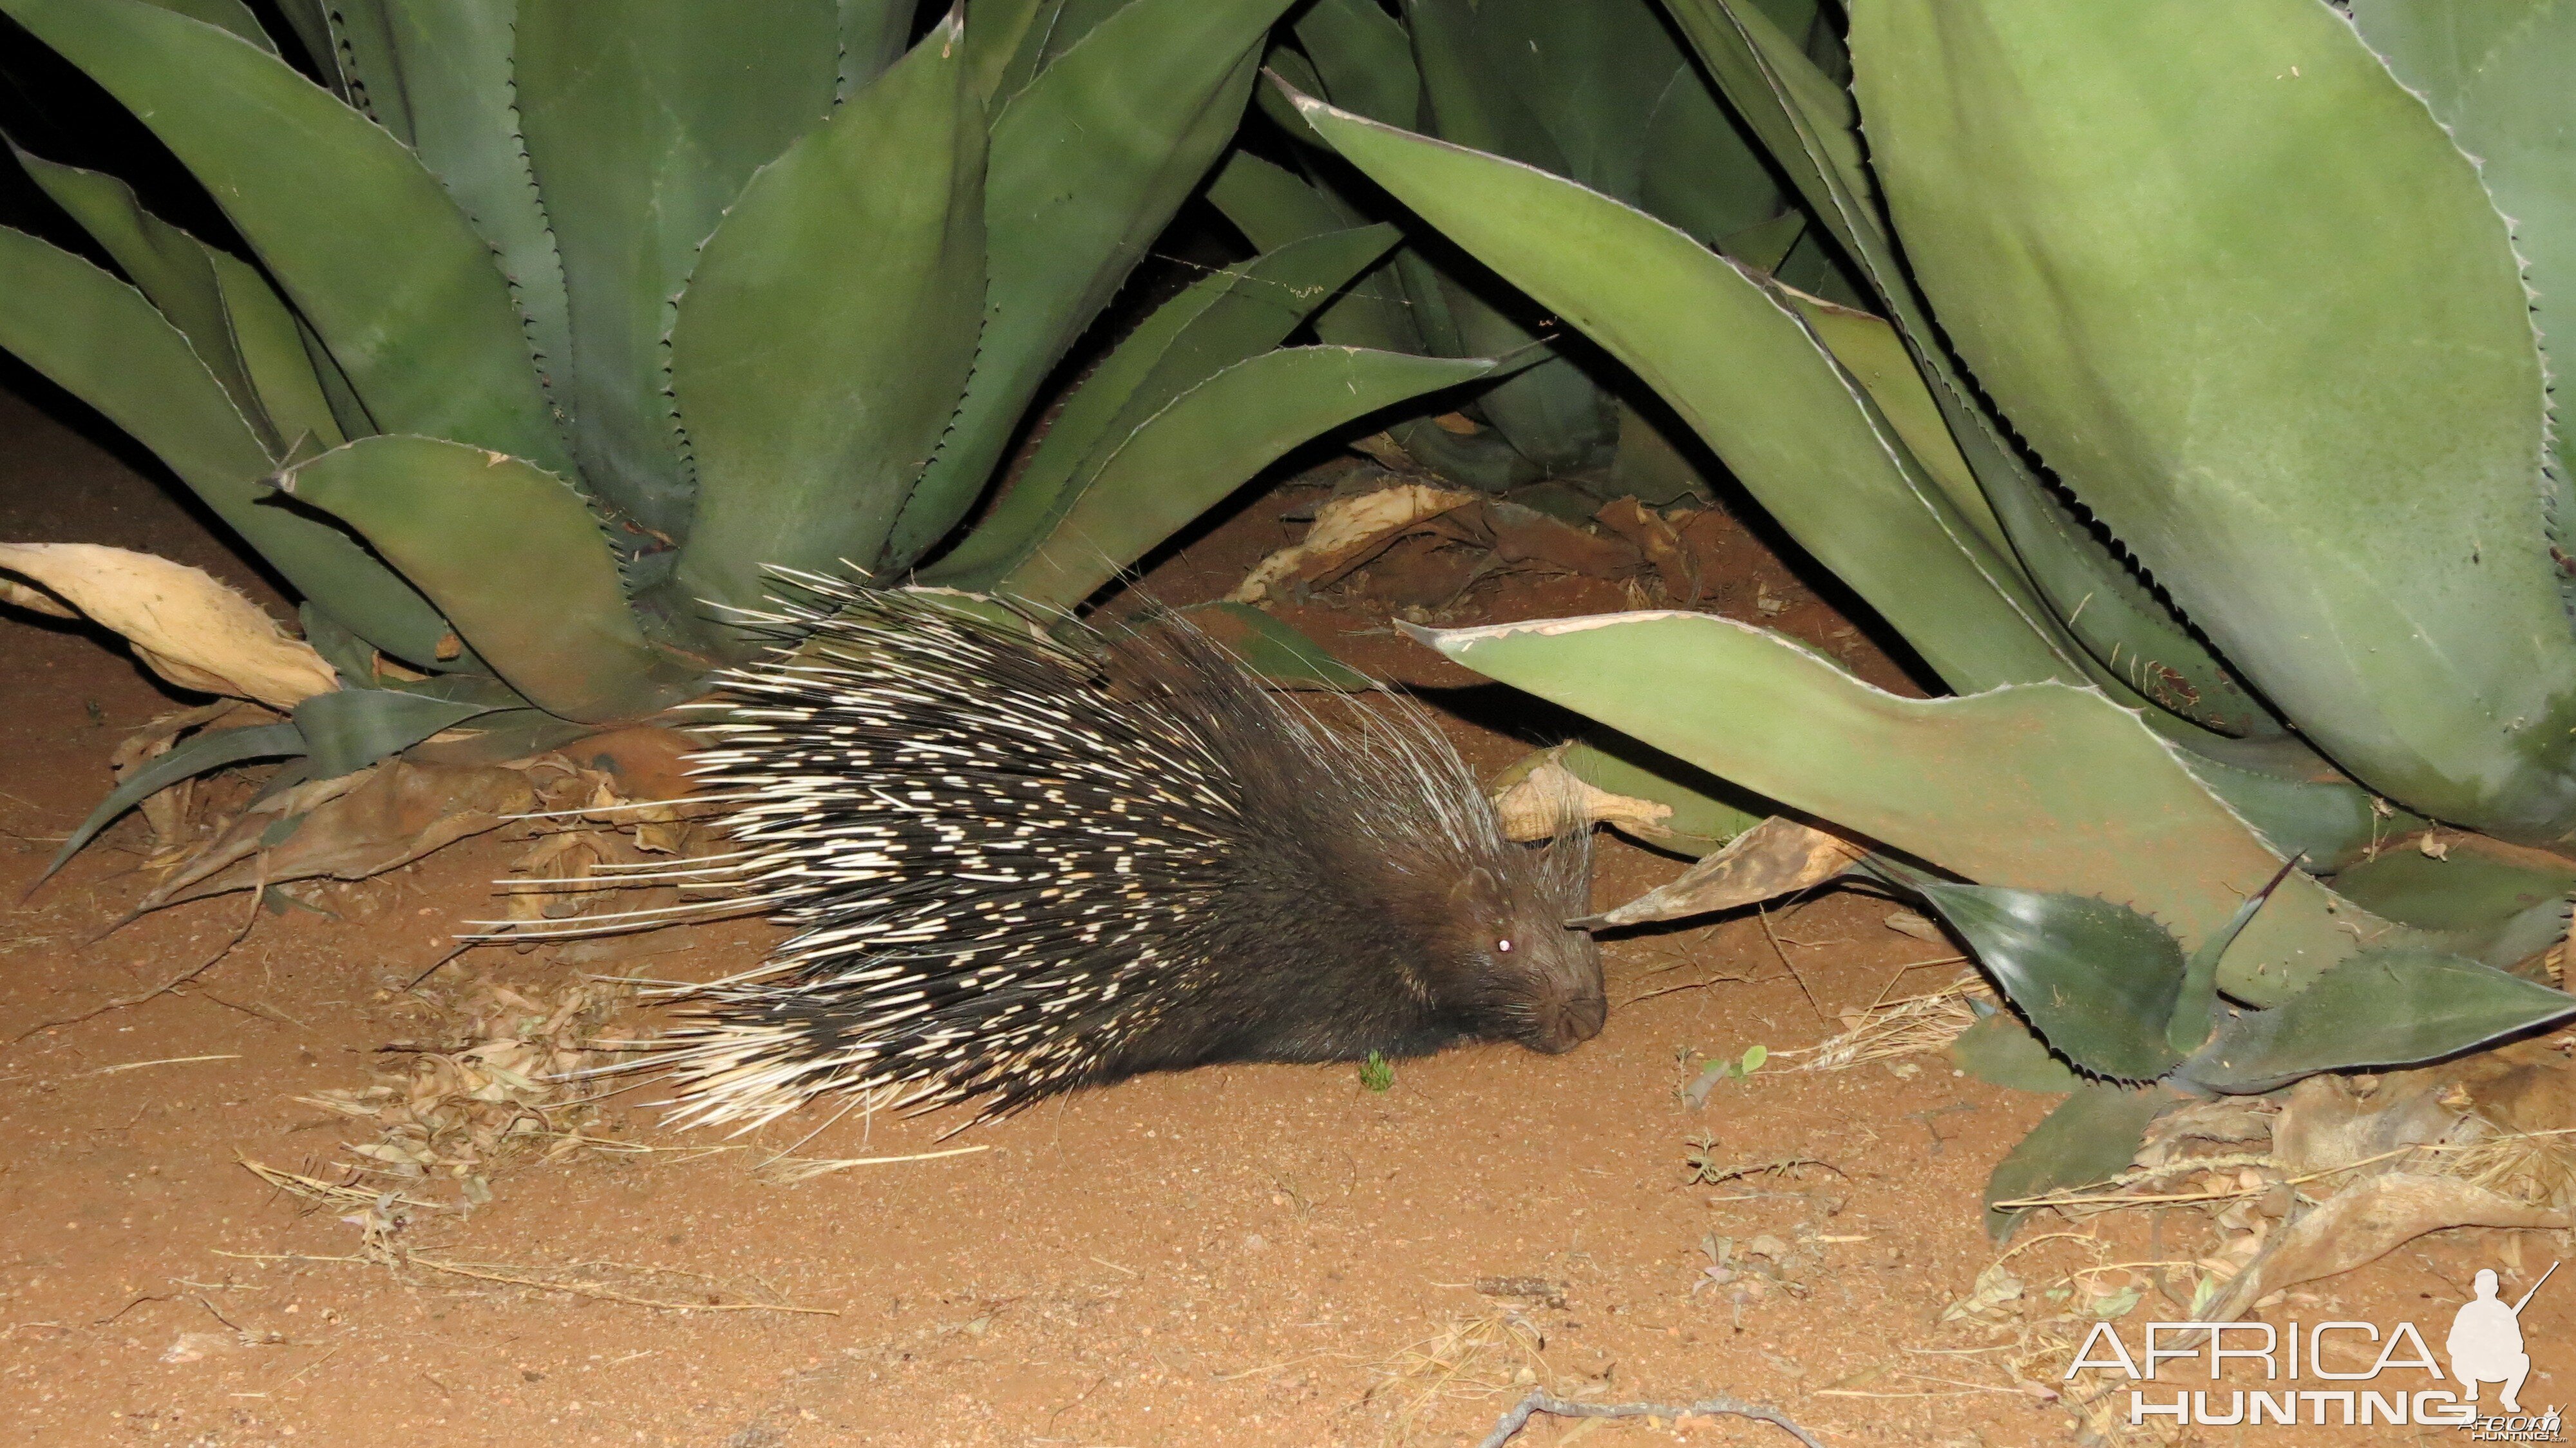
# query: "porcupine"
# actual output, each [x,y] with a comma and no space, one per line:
[1017,865]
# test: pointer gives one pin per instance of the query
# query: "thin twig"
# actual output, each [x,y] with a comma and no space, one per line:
[1812,1003]
[249,919]
[1542,1401]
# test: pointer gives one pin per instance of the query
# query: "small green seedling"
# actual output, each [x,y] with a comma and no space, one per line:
[1377,1073]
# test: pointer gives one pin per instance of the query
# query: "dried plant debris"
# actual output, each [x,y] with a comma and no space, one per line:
[504,1088]
[1472,1359]
[597,851]
[1890,1030]
[384,1220]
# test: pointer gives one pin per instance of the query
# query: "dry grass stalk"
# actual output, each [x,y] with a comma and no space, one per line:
[1460,1362]
[1891,1029]
[381,1224]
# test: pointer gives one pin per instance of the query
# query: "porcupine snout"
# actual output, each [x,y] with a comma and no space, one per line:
[1571,1004]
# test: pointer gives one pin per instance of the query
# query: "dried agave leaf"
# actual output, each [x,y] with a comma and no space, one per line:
[1348,532]
[361,825]
[2362,1222]
[170,812]
[1776,857]
[182,622]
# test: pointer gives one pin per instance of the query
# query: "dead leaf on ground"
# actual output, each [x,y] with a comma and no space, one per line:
[172,812]
[352,827]
[1655,538]
[1774,858]
[2364,1221]
[1348,532]
[1546,792]
[183,623]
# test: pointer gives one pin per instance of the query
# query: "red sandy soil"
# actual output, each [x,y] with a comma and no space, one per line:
[1242,1255]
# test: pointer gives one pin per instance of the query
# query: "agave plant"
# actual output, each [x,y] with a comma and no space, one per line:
[561,326]
[1601,93]
[2196,439]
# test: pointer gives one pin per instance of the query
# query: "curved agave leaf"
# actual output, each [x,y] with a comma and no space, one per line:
[2496,76]
[1185,459]
[2000,1050]
[1271,650]
[373,252]
[348,729]
[185,760]
[643,125]
[438,74]
[102,342]
[2103,203]
[1745,371]
[2489,903]
[2381,1008]
[2098,981]
[1087,164]
[1807,122]
[2092,1136]
[171,268]
[458,520]
[830,327]
[873,33]
[270,342]
[230,15]
[2052,787]
[1215,323]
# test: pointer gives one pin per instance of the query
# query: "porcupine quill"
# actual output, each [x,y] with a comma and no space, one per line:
[1016,866]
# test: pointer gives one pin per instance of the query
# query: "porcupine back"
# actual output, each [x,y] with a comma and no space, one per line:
[1017,866]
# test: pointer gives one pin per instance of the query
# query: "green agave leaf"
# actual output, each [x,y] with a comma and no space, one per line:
[1806,121]
[2000,1050]
[830,328]
[1068,24]
[2257,427]
[1465,99]
[2097,980]
[2293,798]
[102,342]
[348,729]
[2496,76]
[1272,207]
[270,343]
[373,253]
[2498,907]
[446,64]
[1087,166]
[643,124]
[873,33]
[2092,1136]
[1004,32]
[1217,322]
[1273,651]
[1702,174]
[1550,413]
[1207,443]
[229,15]
[517,560]
[1748,375]
[171,268]
[1592,76]
[2381,1008]
[2052,787]
[1364,57]
[187,759]
[311,22]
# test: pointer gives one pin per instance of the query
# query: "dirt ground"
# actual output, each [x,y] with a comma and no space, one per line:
[1246,1255]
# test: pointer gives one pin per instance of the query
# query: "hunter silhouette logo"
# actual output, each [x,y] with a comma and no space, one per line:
[2486,1340]
[2316,1374]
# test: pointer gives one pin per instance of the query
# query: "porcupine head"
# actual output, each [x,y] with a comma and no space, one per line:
[1017,865]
